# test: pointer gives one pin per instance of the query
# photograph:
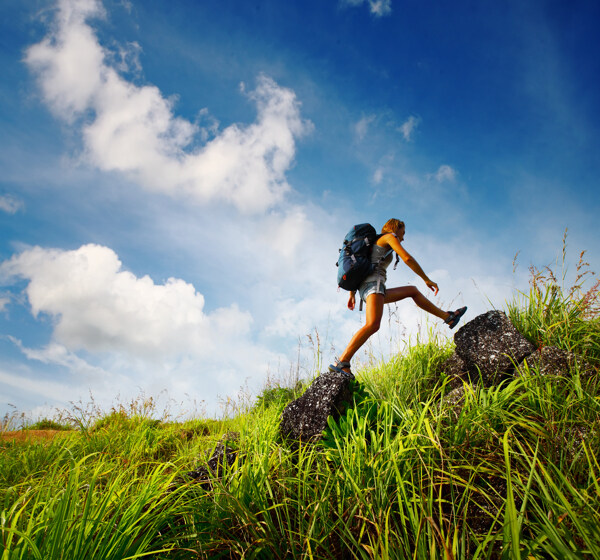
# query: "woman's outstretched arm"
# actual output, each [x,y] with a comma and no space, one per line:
[411,262]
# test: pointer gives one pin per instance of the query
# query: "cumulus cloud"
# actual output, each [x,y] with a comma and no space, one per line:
[132,129]
[98,307]
[114,332]
[10,204]
[409,126]
[377,7]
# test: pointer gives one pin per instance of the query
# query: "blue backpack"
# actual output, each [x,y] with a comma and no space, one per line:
[354,263]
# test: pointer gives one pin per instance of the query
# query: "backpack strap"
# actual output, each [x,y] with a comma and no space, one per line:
[388,253]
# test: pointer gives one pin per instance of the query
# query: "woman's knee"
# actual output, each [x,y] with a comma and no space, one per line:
[372,327]
[414,292]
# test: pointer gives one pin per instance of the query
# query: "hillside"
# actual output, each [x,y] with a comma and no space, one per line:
[508,470]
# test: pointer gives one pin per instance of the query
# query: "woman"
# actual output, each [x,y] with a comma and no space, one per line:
[374,293]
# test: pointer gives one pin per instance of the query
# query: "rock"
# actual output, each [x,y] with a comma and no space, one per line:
[490,344]
[455,400]
[306,418]
[454,368]
[554,361]
[222,455]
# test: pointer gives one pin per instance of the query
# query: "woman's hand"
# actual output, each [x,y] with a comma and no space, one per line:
[352,301]
[432,286]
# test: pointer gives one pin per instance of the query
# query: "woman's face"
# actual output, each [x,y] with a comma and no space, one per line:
[400,233]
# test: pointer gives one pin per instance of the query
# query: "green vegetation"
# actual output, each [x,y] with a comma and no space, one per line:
[49,424]
[278,396]
[512,474]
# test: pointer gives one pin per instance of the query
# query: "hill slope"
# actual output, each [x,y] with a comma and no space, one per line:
[512,472]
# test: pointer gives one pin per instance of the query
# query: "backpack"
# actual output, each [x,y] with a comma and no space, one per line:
[354,263]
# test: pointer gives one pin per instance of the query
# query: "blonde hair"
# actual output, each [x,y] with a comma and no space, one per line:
[392,226]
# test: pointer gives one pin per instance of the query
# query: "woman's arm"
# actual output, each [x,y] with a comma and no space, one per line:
[410,261]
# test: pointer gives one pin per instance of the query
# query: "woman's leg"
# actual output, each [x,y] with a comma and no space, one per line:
[373,313]
[396,294]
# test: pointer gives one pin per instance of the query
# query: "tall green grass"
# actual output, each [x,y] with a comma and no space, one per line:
[511,473]
[554,314]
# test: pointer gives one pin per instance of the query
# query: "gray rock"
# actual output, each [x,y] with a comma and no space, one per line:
[455,400]
[455,368]
[305,418]
[491,345]
[554,361]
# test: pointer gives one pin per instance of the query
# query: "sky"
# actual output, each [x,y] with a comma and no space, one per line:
[176,179]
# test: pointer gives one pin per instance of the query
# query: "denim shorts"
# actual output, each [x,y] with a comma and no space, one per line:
[368,288]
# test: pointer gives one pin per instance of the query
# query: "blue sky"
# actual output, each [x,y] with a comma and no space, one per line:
[176,179]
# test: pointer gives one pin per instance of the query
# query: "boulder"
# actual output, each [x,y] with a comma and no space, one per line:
[491,346]
[305,418]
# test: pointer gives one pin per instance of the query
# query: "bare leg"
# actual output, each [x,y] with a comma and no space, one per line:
[396,294]
[373,313]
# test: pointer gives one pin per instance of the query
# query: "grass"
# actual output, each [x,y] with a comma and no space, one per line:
[513,473]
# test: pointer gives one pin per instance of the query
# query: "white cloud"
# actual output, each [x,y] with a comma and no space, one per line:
[377,7]
[69,61]
[444,173]
[127,58]
[96,306]
[132,129]
[114,333]
[10,204]
[57,354]
[208,125]
[409,126]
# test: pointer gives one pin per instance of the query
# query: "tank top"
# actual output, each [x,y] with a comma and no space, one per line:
[381,262]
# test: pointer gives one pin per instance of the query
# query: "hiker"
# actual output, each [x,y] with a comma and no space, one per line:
[374,293]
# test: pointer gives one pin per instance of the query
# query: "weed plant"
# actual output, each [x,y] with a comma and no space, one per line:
[512,472]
